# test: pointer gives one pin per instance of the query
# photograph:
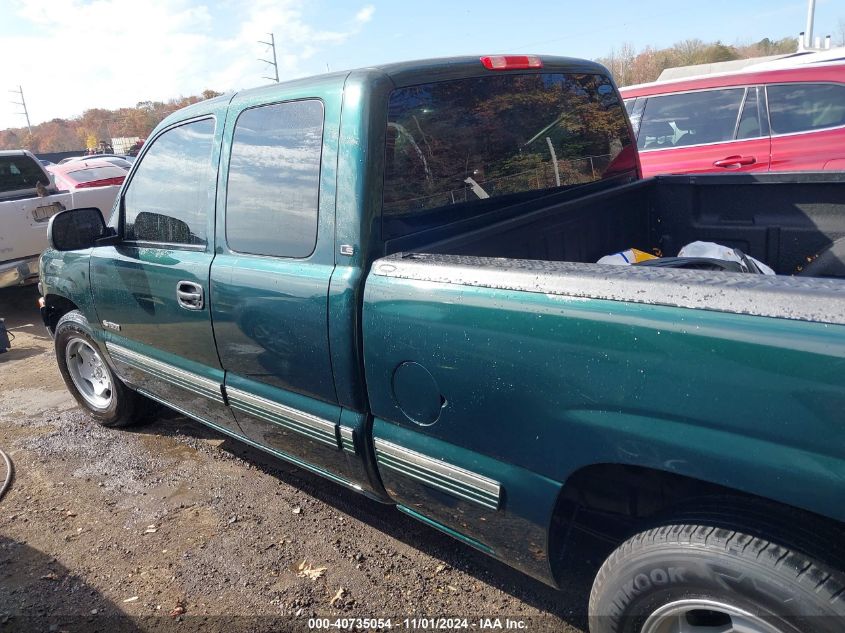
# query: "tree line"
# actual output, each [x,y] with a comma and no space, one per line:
[627,65]
[96,125]
[630,66]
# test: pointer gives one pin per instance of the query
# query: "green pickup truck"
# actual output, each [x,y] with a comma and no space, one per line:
[387,276]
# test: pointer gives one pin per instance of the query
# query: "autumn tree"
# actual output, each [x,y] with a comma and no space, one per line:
[631,67]
[96,125]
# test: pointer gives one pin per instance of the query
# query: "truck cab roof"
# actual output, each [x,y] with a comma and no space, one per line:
[400,74]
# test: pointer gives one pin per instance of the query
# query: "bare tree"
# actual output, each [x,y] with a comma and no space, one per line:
[619,63]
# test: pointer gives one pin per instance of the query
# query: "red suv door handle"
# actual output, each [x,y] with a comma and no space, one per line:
[730,161]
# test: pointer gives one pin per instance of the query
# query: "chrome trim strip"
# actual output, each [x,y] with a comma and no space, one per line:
[174,375]
[311,433]
[266,449]
[679,147]
[773,135]
[314,427]
[347,439]
[431,479]
[804,132]
[439,474]
[170,246]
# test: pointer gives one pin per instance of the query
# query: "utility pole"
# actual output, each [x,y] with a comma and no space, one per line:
[808,32]
[22,103]
[272,45]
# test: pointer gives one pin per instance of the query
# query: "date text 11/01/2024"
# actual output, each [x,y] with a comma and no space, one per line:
[417,623]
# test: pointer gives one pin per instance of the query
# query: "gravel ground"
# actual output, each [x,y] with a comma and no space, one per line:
[171,526]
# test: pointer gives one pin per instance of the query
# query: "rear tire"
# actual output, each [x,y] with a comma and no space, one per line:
[693,578]
[88,376]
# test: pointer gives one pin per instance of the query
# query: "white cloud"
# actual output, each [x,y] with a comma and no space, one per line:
[113,53]
[365,15]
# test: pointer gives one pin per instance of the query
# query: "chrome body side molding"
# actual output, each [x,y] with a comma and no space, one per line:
[301,422]
[288,458]
[438,474]
[163,371]
[346,439]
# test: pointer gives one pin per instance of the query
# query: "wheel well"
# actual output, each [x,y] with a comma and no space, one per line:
[57,306]
[607,503]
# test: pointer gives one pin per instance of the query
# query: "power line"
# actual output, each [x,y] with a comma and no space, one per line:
[22,103]
[272,45]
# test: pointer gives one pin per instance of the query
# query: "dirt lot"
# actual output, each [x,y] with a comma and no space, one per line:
[123,530]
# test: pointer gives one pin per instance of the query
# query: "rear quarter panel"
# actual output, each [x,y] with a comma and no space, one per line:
[551,383]
[809,151]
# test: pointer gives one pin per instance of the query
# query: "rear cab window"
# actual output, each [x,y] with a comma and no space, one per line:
[453,146]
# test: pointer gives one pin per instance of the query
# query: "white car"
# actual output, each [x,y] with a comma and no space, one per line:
[30,196]
[120,161]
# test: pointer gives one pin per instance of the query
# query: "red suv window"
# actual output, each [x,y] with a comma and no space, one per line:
[805,107]
[691,118]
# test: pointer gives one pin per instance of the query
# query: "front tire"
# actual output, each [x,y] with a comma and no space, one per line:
[88,376]
[689,578]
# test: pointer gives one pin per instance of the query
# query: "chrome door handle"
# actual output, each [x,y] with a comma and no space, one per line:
[730,161]
[190,295]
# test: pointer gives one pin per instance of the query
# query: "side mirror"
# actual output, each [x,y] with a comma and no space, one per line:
[76,229]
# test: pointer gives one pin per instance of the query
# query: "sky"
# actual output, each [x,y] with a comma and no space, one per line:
[71,55]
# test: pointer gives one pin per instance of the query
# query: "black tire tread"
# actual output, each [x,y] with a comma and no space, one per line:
[811,574]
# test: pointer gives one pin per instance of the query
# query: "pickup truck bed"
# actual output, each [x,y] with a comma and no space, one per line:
[781,219]
[511,344]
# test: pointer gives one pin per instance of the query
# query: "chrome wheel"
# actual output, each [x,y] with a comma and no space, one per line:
[88,373]
[705,616]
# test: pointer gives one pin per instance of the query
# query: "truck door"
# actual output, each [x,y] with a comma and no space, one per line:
[270,279]
[151,290]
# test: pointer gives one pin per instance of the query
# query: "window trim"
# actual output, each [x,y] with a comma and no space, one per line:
[170,246]
[800,83]
[319,178]
[741,110]
[131,176]
[637,114]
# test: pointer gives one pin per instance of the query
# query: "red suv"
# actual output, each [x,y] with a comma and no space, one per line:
[766,120]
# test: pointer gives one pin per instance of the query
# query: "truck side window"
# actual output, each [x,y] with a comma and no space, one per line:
[167,199]
[691,118]
[805,107]
[19,172]
[274,179]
